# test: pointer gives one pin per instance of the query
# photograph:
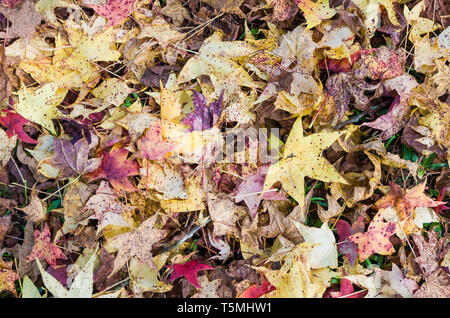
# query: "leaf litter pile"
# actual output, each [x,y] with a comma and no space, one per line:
[112,112]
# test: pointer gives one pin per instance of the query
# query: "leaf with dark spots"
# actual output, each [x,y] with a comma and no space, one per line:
[382,63]
[44,249]
[24,19]
[116,168]
[428,252]
[189,271]
[376,239]
[283,10]
[204,116]
[393,121]
[115,10]
[346,88]
[405,203]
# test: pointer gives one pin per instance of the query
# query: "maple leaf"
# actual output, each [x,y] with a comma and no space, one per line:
[39,105]
[115,10]
[72,159]
[436,286]
[204,116]
[250,189]
[400,284]
[429,252]
[208,289]
[376,239]
[315,12]
[44,249]
[24,19]
[301,158]
[116,168]
[95,43]
[7,278]
[345,246]
[346,290]
[257,290]
[345,87]
[371,10]
[152,146]
[188,270]
[137,243]
[325,254]
[14,126]
[405,203]
[294,279]
[104,201]
[36,210]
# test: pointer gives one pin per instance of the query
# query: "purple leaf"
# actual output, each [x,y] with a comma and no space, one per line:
[345,246]
[203,117]
[250,189]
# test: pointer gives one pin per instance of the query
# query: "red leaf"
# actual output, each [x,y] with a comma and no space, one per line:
[44,249]
[346,289]
[116,168]
[339,65]
[188,270]
[115,10]
[14,126]
[439,209]
[256,291]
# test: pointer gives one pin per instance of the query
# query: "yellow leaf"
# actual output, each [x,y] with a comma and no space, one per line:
[294,279]
[39,105]
[113,90]
[96,43]
[372,12]
[315,12]
[302,158]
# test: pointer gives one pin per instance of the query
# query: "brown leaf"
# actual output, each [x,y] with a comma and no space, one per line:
[24,19]
[429,252]
[436,286]
[5,222]
[137,243]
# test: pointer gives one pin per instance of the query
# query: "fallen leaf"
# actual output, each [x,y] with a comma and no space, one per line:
[138,242]
[39,105]
[115,10]
[188,270]
[44,249]
[301,157]
[82,285]
[376,239]
[325,254]
[14,126]
[116,169]
[7,278]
